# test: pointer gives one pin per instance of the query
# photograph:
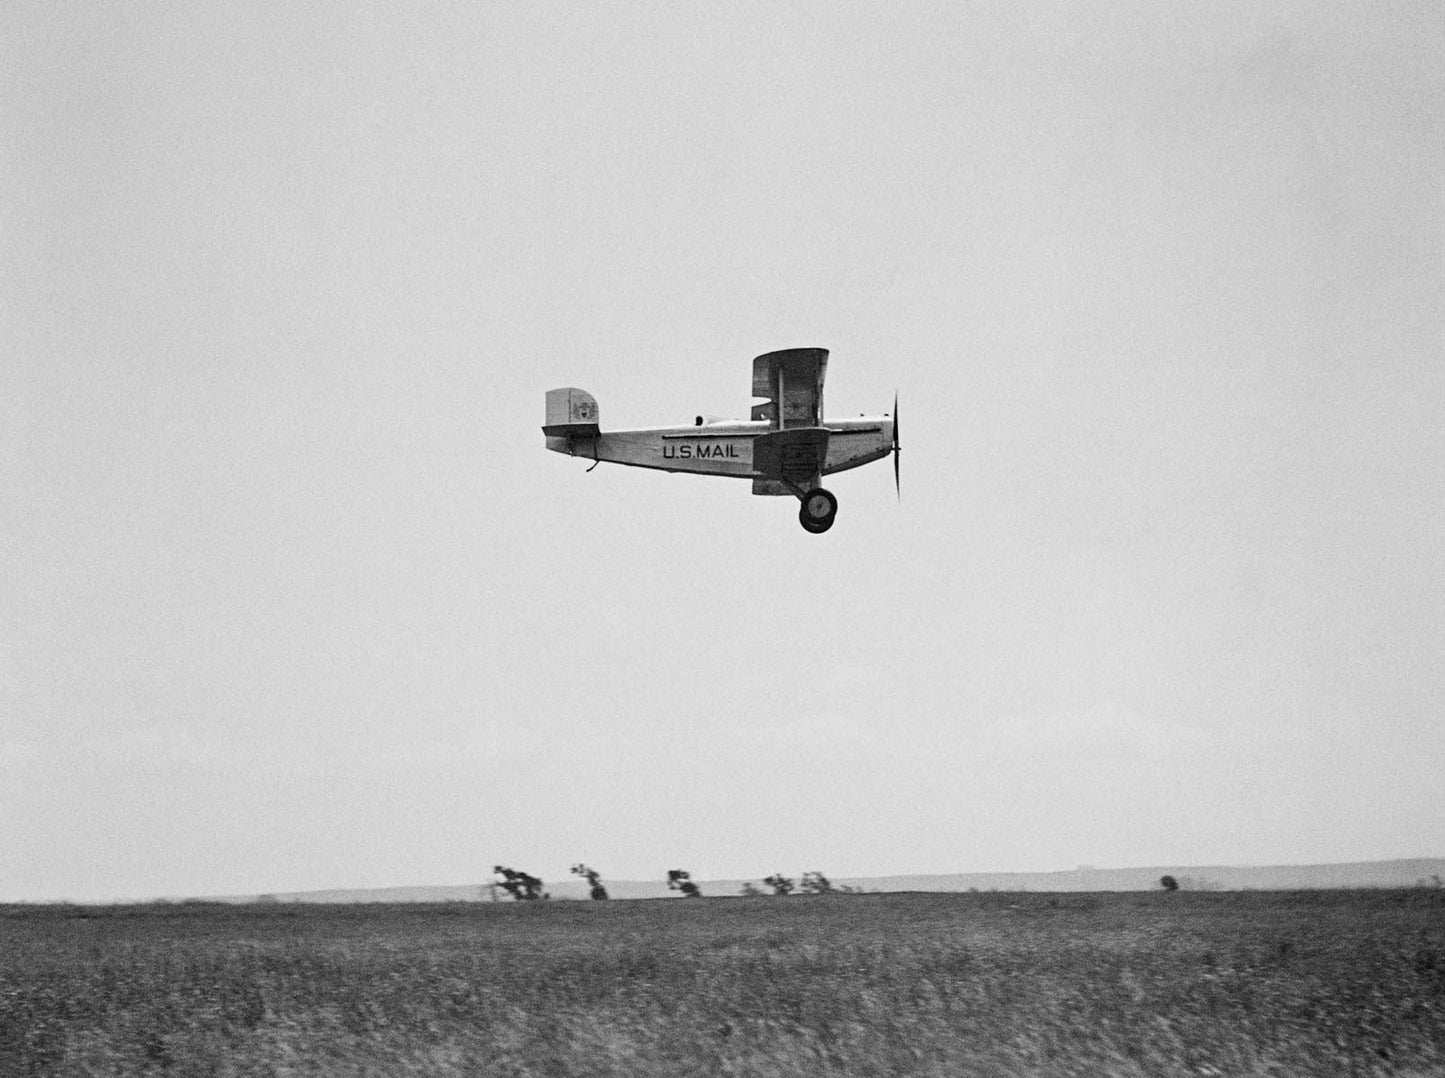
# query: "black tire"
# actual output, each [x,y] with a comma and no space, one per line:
[818,510]
[814,526]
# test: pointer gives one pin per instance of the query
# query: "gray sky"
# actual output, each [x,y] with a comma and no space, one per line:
[292,597]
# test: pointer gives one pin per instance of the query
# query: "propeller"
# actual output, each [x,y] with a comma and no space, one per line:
[897,485]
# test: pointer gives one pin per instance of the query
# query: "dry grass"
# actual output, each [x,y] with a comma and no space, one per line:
[1313,983]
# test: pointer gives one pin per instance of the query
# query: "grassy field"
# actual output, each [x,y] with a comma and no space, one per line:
[1304,983]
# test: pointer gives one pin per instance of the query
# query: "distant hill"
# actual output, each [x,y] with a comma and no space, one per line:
[1404,873]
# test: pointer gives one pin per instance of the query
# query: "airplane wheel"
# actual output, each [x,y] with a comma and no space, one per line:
[819,505]
[818,510]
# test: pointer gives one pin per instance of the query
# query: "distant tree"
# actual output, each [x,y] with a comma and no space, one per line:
[520,885]
[780,884]
[681,880]
[1169,883]
[598,892]
[751,890]
[815,883]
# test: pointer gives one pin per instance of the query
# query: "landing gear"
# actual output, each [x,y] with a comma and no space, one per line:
[818,510]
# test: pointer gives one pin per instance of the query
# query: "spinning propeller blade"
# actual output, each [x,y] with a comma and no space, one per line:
[897,485]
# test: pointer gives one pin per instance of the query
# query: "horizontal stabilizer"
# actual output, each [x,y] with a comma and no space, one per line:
[571,413]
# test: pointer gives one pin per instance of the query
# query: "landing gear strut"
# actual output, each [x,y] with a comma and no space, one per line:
[818,510]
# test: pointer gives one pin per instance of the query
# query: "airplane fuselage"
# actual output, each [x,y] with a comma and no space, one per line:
[725,447]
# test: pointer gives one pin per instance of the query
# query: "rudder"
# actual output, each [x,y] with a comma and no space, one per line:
[571,413]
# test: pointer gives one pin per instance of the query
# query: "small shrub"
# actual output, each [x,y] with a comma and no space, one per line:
[815,883]
[681,880]
[520,885]
[780,884]
[598,893]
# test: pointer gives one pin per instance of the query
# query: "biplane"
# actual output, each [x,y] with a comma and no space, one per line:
[784,448]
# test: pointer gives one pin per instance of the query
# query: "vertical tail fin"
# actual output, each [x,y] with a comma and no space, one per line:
[571,413]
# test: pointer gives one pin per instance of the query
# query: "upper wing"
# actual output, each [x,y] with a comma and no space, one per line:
[791,381]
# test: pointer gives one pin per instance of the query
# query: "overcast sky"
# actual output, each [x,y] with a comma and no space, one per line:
[292,597]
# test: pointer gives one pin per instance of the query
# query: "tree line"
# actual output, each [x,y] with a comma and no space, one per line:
[524,887]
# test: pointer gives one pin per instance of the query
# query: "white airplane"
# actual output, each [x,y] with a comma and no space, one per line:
[785,448]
